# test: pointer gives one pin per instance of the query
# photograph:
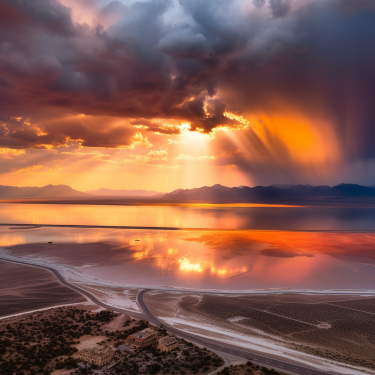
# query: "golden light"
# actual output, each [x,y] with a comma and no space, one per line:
[294,136]
[11,151]
[222,272]
[186,266]
[245,123]
[11,240]
[140,254]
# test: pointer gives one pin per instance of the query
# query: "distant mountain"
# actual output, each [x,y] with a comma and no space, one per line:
[221,187]
[309,190]
[216,193]
[342,190]
[219,193]
[55,191]
[175,191]
[124,193]
[223,193]
[283,186]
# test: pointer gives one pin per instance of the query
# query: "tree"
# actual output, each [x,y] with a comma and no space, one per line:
[155,367]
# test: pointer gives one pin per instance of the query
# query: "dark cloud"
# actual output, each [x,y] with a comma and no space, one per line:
[280,8]
[46,15]
[157,127]
[112,12]
[259,3]
[19,133]
[146,62]
[353,6]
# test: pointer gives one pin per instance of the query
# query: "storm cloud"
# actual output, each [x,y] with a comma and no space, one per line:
[189,61]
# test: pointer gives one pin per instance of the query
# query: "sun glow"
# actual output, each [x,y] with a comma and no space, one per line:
[295,137]
[245,124]
[174,156]
[186,266]
[140,254]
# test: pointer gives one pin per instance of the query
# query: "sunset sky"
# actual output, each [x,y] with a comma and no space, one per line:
[167,94]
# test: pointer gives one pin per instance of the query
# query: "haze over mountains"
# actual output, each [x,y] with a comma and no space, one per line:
[219,193]
[124,193]
[216,193]
[65,191]
[11,192]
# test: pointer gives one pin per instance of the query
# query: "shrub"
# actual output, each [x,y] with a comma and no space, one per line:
[59,365]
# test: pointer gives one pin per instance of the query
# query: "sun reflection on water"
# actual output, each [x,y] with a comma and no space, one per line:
[186,266]
[231,259]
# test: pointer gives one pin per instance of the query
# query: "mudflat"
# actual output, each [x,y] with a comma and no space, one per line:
[339,328]
[73,254]
[25,288]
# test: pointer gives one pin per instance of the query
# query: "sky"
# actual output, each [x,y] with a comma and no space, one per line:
[167,94]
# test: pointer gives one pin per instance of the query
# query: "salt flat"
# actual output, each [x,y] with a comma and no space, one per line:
[274,324]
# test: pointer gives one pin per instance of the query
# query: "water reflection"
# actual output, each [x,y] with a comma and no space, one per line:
[200,216]
[236,260]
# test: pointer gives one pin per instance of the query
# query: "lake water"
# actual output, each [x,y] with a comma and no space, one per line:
[210,216]
[206,259]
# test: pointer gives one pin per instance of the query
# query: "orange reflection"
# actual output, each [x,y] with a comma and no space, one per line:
[186,266]
[211,205]
[11,240]
[140,254]
[177,216]
[233,259]
[292,244]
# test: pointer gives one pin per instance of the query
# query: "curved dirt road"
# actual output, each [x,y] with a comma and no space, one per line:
[257,357]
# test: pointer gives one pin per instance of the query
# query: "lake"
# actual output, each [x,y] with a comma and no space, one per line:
[208,216]
[205,259]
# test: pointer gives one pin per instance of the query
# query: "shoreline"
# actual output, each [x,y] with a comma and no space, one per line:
[56,269]
[98,281]
[292,202]
[250,292]
[89,226]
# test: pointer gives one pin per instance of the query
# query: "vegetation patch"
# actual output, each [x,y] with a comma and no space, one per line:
[248,369]
[44,341]
[190,360]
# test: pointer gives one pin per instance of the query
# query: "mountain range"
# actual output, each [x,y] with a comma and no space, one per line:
[65,191]
[124,193]
[219,193]
[48,191]
[216,193]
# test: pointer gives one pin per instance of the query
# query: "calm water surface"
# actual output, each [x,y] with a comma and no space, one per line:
[227,260]
[283,218]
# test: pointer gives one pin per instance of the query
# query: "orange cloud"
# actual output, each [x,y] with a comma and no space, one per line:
[28,170]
